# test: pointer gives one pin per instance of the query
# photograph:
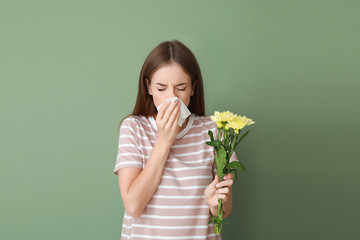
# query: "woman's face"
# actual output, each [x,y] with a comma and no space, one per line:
[170,81]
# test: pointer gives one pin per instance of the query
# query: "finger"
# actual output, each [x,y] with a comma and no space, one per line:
[163,109]
[171,114]
[226,183]
[224,190]
[229,176]
[222,196]
[215,181]
[174,118]
[168,112]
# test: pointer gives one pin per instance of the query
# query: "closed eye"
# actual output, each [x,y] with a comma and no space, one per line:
[161,90]
[181,89]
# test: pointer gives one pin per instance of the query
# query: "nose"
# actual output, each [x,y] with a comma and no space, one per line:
[171,93]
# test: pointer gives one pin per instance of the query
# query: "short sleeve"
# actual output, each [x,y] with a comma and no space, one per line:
[129,154]
[233,157]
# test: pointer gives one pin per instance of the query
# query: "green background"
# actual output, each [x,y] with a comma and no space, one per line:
[69,73]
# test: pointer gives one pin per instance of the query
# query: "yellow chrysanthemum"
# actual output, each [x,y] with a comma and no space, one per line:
[222,118]
[239,122]
[217,117]
[228,116]
[219,125]
[248,120]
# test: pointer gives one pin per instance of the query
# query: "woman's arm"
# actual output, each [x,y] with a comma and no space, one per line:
[138,186]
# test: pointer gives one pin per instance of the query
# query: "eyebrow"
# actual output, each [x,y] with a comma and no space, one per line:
[164,85]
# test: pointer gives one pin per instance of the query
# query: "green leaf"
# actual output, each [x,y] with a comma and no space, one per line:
[235,174]
[220,160]
[235,165]
[240,139]
[211,135]
[213,219]
[244,135]
[215,143]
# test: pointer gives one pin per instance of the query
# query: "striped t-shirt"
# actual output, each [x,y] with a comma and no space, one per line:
[178,209]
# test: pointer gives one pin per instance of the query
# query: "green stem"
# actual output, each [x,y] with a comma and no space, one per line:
[225,139]
[220,208]
[233,144]
[218,225]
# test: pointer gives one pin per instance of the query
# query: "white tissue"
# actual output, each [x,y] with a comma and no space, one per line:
[184,111]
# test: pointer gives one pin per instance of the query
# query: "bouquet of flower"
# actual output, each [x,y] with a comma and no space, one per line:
[229,126]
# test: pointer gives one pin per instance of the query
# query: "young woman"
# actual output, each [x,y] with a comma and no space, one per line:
[167,176]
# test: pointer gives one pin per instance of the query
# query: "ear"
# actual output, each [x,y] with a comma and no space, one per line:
[193,88]
[148,86]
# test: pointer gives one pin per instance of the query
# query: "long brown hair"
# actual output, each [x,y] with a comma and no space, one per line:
[164,53]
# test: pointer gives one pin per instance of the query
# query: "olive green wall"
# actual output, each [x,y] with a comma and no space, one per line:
[69,72]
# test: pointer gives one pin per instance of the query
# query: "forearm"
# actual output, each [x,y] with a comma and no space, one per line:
[147,182]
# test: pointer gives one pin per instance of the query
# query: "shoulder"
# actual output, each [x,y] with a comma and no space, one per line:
[138,120]
[135,122]
[132,119]
[204,122]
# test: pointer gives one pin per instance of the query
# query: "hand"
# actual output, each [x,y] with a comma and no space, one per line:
[167,121]
[219,190]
